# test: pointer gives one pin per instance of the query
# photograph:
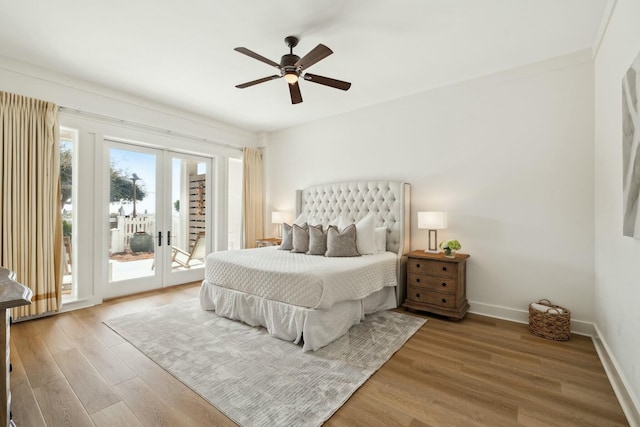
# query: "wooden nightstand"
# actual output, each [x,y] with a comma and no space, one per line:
[437,284]
[268,241]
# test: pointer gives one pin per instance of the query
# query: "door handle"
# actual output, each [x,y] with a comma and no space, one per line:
[168,238]
[159,238]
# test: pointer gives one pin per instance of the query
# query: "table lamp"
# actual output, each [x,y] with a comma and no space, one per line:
[280,217]
[432,221]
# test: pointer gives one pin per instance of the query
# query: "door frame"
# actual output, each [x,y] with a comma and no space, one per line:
[163,275]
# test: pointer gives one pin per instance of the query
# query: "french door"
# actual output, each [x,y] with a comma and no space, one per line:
[159,218]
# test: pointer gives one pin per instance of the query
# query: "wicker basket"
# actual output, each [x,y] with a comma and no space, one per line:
[552,326]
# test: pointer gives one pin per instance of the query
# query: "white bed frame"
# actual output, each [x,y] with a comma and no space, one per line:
[390,201]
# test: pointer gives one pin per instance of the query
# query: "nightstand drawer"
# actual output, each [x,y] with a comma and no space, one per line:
[440,284]
[426,296]
[433,268]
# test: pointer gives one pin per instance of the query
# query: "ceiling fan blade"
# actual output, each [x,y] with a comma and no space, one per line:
[338,84]
[296,96]
[317,53]
[254,55]
[255,82]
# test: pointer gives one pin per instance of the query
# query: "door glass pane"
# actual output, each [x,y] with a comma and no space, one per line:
[235,204]
[67,139]
[188,213]
[132,215]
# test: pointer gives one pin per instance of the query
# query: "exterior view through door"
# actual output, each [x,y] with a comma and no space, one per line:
[158,205]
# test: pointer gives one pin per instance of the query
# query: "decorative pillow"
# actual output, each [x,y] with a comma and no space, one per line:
[317,240]
[365,235]
[343,222]
[341,244]
[287,237]
[381,239]
[313,221]
[301,220]
[300,238]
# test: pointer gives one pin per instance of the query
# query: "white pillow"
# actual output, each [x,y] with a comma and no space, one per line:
[343,222]
[302,218]
[381,239]
[314,221]
[365,235]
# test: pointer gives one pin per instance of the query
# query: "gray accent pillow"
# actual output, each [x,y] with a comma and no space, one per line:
[300,238]
[287,237]
[342,244]
[317,240]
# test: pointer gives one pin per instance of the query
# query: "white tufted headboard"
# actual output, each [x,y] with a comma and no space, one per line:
[388,200]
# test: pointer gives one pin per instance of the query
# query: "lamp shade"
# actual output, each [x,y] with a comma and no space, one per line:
[432,220]
[280,217]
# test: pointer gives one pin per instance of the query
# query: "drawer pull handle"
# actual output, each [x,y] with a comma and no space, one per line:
[444,268]
[417,295]
[417,280]
[444,285]
[444,300]
[418,265]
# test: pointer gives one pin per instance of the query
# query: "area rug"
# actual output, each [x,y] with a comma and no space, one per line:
[258,380]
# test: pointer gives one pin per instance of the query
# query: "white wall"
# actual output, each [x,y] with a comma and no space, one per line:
[617,258]
[509,156]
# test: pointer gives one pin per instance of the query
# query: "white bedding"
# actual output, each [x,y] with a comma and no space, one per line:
[298,279]
[292,323]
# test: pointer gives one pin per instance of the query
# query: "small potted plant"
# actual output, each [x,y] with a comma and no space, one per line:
[449,247]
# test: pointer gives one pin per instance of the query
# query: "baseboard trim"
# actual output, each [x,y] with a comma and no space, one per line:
[579,327]
[619,383]
[621,387]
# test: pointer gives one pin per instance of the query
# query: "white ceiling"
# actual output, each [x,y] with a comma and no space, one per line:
[180,53]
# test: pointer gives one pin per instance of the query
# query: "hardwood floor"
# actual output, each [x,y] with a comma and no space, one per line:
[72,370]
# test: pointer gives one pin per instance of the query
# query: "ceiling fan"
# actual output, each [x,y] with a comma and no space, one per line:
[292,66]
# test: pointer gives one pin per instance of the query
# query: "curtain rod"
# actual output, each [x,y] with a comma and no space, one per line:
[155,129]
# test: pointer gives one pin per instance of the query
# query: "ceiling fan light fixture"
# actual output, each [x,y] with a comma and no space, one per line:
[292,68]
[291,77]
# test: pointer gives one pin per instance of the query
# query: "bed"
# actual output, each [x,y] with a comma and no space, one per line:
[312,299]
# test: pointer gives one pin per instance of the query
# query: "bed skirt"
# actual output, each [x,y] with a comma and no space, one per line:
[316,328]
